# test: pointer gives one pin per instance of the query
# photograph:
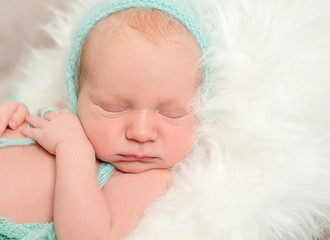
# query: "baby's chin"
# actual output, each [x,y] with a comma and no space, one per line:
[136,167]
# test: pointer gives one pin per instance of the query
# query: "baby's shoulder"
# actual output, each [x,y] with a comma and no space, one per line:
[129,195]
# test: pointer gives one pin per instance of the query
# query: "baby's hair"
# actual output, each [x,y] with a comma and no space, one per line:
[154,25]
[151,23]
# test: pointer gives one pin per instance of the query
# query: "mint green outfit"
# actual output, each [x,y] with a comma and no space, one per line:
[183,13]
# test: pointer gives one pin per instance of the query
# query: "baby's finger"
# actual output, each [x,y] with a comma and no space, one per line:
[33,133]
[47,113]
[6,111]
[18,117]
[3,125]
[4,118]
[36,122]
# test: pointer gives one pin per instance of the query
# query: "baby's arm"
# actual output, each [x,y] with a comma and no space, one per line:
[129,195]
[12,114]
[80,209]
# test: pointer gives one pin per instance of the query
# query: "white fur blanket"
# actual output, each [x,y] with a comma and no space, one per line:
[260,169]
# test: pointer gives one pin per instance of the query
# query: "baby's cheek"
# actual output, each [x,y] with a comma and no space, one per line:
[181,142]
[106,139]
[189,135]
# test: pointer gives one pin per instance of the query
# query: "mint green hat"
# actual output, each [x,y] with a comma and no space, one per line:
[175,8]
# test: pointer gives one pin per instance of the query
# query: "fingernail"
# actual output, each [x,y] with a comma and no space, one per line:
[13,124]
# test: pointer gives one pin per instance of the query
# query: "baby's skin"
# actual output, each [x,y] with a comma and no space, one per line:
[27,174]
[134,111]
[27,181]
[27,185]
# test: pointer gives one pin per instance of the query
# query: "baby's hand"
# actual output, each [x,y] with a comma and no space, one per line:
[12,115]
[55,130]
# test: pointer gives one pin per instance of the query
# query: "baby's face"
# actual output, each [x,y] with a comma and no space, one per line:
[134,99]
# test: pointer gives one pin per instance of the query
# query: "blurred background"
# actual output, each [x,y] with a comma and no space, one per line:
[20,30]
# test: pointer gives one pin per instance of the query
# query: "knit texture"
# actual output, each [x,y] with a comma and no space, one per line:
[183,14]
[46,231]
[4,142]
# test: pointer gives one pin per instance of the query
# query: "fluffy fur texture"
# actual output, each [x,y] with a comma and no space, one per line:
[260,169]
[20,23]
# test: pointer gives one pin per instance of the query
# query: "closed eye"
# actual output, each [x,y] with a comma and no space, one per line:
[112,110]
[173,112]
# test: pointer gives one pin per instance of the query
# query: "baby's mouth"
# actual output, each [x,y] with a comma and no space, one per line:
[137,158]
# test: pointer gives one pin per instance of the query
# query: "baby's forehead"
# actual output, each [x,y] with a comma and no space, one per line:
[154,25]
[155,20]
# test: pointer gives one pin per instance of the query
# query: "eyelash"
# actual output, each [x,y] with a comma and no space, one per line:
[173,113]
[170,113]
[113,111]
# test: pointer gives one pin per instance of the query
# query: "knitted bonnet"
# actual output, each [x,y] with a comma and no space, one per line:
[175,8]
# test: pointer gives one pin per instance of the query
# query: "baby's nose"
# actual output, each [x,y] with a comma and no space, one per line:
[141,127]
